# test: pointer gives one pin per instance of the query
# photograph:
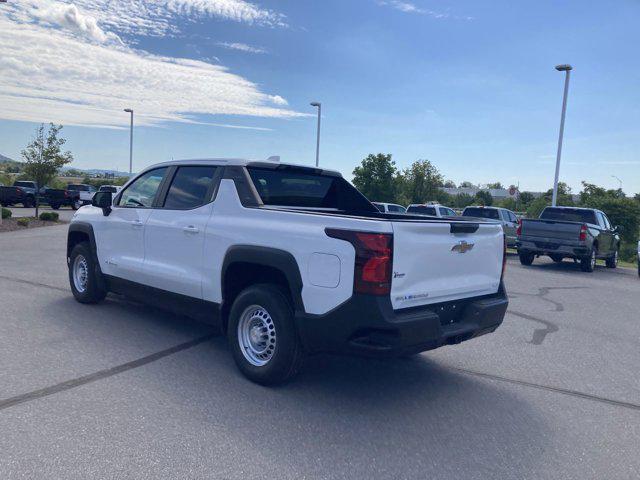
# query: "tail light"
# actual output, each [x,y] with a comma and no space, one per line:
[583,233]
[66,194]
[519,228]
[18,192]
[374,256]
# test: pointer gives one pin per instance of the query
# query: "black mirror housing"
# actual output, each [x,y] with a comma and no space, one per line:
[103,200]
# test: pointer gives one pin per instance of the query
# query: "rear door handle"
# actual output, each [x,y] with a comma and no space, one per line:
[136,223]
[191,229]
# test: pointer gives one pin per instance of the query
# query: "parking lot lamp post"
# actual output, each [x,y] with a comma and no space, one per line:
[567,69]
[130,110]
[620,181]
[319,105]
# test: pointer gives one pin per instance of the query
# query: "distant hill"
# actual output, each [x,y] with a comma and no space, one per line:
[4,159]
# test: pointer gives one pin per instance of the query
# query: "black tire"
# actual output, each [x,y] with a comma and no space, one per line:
[526,258]
[286,357]
[557,258]
[55,206]
[94,290]
[28,203]
[612,261]
[588,262]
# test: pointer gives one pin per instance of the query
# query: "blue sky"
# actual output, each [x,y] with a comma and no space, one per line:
[469,85]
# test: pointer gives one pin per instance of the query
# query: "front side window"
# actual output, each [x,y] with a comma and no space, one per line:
[142,192]
[190,187]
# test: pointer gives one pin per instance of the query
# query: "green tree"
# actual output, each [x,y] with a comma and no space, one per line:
[525,198]
[467,184]
[483,197]
[44,156]
[449,184]
[376,178]
[421,183]
[462,200]
[494,185]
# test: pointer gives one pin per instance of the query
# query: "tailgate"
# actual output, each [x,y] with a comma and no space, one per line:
[431,264]
[551,229]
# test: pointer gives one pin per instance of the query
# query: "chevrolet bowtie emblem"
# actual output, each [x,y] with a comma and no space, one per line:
[462,247]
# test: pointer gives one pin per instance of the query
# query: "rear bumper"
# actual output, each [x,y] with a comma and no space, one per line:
[368,325]
[552,247]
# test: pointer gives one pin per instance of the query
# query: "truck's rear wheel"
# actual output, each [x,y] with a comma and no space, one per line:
[526,258]
[262,335]
[85,279]
[556,258]
[28,202]
[588,262]
[55,206]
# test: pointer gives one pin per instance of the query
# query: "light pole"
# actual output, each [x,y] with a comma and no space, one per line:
[567,69]
[319,105]
[618,181]
[130,110]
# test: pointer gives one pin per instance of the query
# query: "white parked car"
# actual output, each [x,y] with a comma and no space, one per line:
[86,192]
[288,260]
[433,209]
[389,207]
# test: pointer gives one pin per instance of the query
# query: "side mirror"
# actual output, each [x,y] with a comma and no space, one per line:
[103,200]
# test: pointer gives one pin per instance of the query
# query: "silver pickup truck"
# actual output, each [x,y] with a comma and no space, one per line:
[584,234]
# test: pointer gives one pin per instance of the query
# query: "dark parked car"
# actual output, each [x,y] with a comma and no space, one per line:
[584,234]
[12,196]
[57,198]
[29,189]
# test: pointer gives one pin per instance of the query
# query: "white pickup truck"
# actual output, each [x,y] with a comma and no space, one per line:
[288,261]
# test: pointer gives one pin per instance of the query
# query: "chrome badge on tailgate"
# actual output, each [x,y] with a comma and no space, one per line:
[462,247]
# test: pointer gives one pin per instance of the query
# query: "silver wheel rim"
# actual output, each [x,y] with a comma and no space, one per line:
[593,259]
[615,258]
[80,273]
[257,335]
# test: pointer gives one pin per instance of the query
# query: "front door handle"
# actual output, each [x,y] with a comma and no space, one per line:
[136,223]
[191,229]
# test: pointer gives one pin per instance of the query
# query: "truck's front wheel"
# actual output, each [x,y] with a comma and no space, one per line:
[526,258]
[85,279]
[262,335]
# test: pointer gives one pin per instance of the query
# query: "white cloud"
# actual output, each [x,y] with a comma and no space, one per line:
[243,47]
[68,16]
[408,7]
[56,67]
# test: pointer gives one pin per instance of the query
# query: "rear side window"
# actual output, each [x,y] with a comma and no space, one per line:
[569,215]
[142,192]
[396,208]
[301,187]
[190,187]
[380,207]
[481,213]
[422,210]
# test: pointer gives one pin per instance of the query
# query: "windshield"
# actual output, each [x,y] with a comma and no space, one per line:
[491,213]
[422,210]
[569,215]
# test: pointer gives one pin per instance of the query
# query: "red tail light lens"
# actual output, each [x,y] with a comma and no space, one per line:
[374,258]
[583,233]
[519,229]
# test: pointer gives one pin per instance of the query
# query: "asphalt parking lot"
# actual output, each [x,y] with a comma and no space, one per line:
[119,390]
